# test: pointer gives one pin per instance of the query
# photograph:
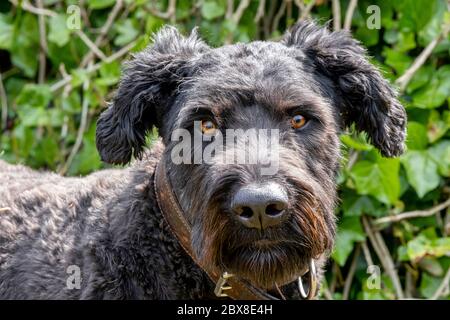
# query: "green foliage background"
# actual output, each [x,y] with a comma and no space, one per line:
[42,116]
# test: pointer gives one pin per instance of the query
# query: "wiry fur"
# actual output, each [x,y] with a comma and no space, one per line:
[109,223]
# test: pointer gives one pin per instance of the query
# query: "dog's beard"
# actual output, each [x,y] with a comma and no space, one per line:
[274,256]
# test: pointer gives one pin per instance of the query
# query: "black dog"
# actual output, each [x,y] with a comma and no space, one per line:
[266,230]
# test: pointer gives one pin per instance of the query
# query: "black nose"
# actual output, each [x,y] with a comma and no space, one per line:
[260,205]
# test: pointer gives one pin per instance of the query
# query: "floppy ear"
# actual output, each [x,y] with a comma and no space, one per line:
[367,98]
[145,92]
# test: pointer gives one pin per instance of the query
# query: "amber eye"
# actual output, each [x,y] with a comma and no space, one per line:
[208,127]
[298,121]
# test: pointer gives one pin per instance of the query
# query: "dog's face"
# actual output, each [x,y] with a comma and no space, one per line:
[263,225]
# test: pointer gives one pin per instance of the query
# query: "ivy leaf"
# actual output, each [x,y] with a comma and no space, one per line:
[127,32]
[429,285]
[440,153]
[6,32]
[59,33]
[350,231]
[422,246]
[356,205]
[421,171]
[34,95]
[436,92]
[25,46]
[417,136]
[437,126]
[379,179]
[100,4]
[212,10]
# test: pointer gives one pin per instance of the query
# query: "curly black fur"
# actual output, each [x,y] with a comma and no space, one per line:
[109,223]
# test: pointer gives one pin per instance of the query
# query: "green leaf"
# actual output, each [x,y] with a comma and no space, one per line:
[357,143]
[100,4]
[437,125]
[436,92]
[350,231]
[127,32]
[212,9]
[440,153]
[421,171]
[34,95]
[420,78]
[6,32]
[26,45]
[59,33]
[415,14]
[379,179]
[417,136]
[429,285]
[422,246]
[397,60]
[432,266]
[355,205]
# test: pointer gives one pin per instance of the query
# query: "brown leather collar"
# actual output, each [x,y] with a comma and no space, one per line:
[227,285]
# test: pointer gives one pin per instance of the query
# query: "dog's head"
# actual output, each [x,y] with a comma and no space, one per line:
[262,205]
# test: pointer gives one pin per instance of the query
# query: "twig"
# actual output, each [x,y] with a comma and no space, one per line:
[81,129]
[414,214]
[91,45]
[25,5]
[268,18]
[240,11]
[336,15]
[325,290]
[169,14]
[349,14]
[5,209]
[103,31]
[43,44]
[4,100]
[384,255]
[353,157]
[305,11]
[230,9]
[443,286]
[260,11]
[61,83]
[351,273]
[403,81]
[366,253]
[276,20]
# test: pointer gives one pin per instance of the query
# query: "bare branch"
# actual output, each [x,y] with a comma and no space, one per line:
[103,31]
[90,44]
[43,44]
[403,81]
[384,255]
[366,253]
[305,11]
[349,14]
[4,100]
[260,11]
[414,214]
[240,11]
[442,287]
[336,15]
[230,9]
[25,5]
[61,83]
[81,129]
[169,14]
[276,20]
[351,273]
